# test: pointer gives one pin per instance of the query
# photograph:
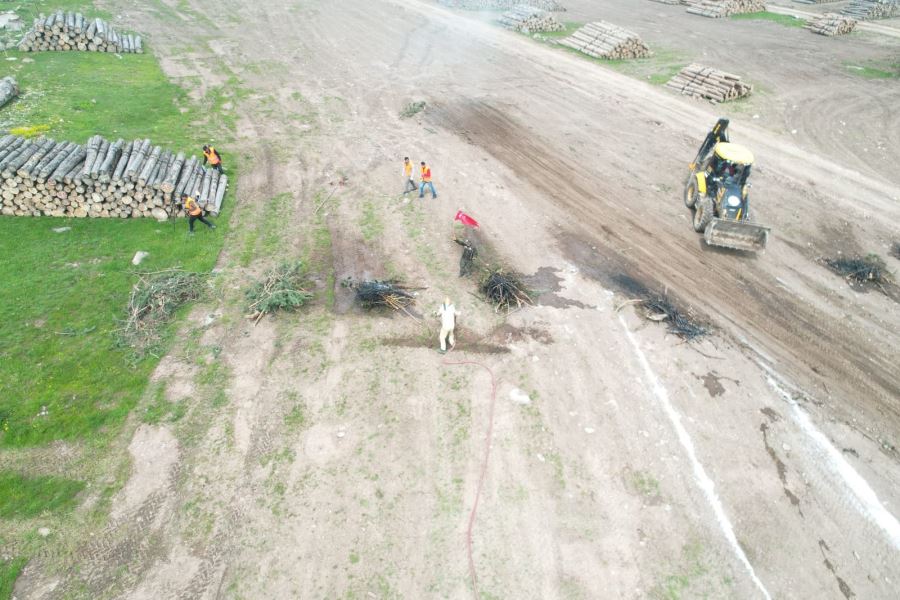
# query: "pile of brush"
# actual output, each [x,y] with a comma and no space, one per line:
[391,294]
[153,300]
[660,308]
[861,270]
[280,289]
[504,290]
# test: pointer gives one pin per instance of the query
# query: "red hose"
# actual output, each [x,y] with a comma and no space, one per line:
[484,465]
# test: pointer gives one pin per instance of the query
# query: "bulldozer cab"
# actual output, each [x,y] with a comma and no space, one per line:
[731,163]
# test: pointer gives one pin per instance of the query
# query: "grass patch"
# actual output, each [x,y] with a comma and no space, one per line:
[160,410]
[74,95]
[569,27]
[27,497]
[9,572]
[370,223]
[875,70]
[62,295]
[786,20]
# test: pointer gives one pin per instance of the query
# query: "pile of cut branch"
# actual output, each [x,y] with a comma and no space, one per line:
[659,308]
[412,109]
[504,290]
[153,300]
[280,289]
[390,293]
[861,270]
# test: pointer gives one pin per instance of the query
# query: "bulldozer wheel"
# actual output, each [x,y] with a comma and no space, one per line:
[690,192]
[703,214]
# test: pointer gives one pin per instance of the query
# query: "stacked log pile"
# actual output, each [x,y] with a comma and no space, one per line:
[864,10]
[101,179]
[529,19]
[9,89]
[605,40]
[551,5]
[832,24]
[64,31]
[709,84]
[717,9]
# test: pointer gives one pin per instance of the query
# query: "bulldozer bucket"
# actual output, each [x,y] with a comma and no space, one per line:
[738,235]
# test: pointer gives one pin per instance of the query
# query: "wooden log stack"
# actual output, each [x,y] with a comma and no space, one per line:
[718,9]
[65,31]
[831,24]
[529,19]
[867,10]
[551,5]
[9,89]
[605,40]
[102,179]
[710,84]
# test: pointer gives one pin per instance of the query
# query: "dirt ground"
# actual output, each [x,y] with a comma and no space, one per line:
[342,457]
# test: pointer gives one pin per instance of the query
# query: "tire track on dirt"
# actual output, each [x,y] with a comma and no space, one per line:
[740,293]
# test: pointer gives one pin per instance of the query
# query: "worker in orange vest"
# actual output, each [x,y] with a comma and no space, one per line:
[408,184]
[425,172]
[212,157]
[194,212]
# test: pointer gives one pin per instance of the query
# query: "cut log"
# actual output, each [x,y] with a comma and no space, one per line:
[9,89]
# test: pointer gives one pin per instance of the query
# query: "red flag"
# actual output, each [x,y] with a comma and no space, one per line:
[465,219]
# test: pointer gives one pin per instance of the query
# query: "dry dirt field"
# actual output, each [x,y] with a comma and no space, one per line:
[336,454]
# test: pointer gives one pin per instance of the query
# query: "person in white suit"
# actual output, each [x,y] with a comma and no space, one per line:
[448,313]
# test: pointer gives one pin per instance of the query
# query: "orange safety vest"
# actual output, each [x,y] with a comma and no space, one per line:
[426,173]
[212,156]
[191,206]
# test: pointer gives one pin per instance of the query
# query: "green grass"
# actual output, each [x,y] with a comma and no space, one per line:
[370,223]
[62,295]
[79,94]
[27,497]
[9,572]
[786,20]
[162,410]
[876,70]
[569,27]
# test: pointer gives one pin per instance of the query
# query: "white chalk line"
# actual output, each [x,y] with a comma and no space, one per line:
[867,502]
[703,481]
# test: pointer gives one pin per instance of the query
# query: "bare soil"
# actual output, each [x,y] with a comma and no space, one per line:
[343,456]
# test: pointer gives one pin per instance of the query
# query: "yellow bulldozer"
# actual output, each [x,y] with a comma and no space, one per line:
[717,190]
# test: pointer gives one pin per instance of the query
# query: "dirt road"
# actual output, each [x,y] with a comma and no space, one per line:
[342,456]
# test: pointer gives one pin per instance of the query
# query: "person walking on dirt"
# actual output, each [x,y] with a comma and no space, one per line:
[425,172]
[448,314]
[408,184]
[212,157]
[194,212]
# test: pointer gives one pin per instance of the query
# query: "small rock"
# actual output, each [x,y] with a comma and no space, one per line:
[589,430]
[27,60]
[519,397]
[341,434]
[61,229]
[540,457]
[43,531]
[785,447]
[209,319]
[139,257]
[44,412]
